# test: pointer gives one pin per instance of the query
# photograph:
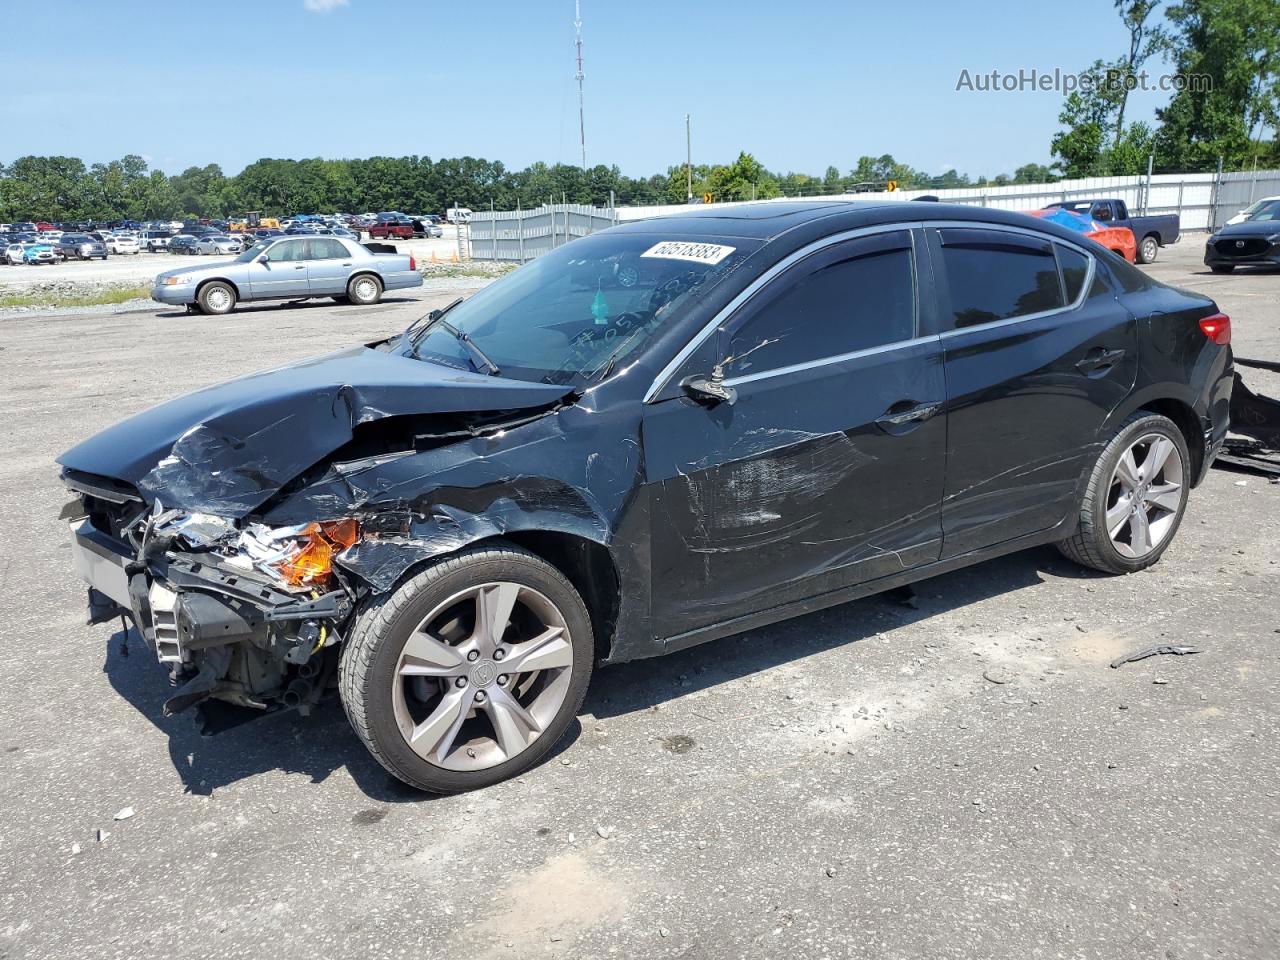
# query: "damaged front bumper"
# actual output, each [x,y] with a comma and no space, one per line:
[225,633]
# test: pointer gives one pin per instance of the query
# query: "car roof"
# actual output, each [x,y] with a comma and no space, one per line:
[805,220]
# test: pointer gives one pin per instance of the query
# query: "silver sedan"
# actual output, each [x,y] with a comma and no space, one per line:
[289,268]
[217,245]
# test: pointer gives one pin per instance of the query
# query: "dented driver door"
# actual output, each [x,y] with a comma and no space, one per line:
[826,468]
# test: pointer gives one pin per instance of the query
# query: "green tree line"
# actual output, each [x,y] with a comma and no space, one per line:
[64,188]
[1228,54]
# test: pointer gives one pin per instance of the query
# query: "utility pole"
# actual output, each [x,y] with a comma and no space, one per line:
[582,125]
[688,163]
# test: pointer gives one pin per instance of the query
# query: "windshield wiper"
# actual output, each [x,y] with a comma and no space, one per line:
[478,356]
[430,318]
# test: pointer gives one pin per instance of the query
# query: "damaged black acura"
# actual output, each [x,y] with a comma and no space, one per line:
[660,434]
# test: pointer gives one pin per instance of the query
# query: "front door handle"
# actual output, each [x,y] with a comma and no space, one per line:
[1100,360]
[301,266]
[906,412]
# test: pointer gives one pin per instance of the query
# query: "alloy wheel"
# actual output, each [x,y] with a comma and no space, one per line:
[482,676]
[366,289]
[1145,496]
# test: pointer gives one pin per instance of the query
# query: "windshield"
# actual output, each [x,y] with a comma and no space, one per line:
[252,252]
[563,317]
[1267,211]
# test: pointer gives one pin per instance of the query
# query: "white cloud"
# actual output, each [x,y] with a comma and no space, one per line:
[323,6]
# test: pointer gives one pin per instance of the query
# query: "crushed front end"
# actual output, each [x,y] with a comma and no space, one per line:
[238,612]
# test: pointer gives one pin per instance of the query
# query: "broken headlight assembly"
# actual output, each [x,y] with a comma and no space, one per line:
[299,556]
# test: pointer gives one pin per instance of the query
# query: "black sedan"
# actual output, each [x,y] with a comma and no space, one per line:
[183,243]
[786,407]
[1252,242]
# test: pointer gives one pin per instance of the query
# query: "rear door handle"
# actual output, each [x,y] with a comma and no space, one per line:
[895,416]
[1100,360]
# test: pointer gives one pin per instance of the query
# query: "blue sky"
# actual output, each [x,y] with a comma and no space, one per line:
[800,85]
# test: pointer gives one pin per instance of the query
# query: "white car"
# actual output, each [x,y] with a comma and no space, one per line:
[1250,210]
[13,253]
[123,244]
[216,245]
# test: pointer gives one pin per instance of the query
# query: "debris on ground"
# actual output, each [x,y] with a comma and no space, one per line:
[997,675]
[103,834]
[1166,649]
[1254,441]
[124,813]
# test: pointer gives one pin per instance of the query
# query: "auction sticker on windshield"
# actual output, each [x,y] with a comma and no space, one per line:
[709,253]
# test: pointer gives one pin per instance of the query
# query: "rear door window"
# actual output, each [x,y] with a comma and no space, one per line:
[321,249]
[995,275]
[857,295]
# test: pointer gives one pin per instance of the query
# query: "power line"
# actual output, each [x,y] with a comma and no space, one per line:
[582,126]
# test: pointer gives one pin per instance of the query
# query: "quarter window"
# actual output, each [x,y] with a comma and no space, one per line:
[998,276]
[1075,267]
[857,296]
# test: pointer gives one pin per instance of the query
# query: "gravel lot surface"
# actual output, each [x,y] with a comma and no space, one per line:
[963,778]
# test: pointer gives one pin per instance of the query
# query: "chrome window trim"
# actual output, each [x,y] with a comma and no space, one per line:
[1000,227]
[811,364]
[666,373]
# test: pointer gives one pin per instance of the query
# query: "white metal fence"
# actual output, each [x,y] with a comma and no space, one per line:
[1203,201]
[520,235]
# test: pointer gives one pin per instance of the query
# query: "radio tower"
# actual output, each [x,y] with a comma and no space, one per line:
[582,126]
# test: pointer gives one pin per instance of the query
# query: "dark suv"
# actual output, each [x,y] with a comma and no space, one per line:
[783,407]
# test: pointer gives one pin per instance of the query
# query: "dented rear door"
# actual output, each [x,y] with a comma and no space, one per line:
[827,469]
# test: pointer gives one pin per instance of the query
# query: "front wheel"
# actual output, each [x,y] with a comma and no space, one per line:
[1148,250]
[1135,499]
[216,298]
[364,289]
[470,672]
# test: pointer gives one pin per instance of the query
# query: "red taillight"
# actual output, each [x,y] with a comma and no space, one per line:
[1217,328]
[413,264]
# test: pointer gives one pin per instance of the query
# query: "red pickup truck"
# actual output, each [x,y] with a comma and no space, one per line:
[386,229]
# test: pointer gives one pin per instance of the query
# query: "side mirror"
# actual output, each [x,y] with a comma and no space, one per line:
[710,390]
[261,258]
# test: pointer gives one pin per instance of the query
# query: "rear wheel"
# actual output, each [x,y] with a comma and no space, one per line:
[1148,250]
[216,298]
[1222,269]
[470,672]
[1135,499]
[364,289]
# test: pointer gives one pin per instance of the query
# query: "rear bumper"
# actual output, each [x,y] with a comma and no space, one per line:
[402,281]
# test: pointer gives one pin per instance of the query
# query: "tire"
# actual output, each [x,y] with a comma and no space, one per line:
[1223,269]
[384,705]
[364,289]
[1108,493]
[216,298]
[1148,250]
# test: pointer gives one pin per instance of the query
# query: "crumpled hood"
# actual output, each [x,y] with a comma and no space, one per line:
[226,449]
